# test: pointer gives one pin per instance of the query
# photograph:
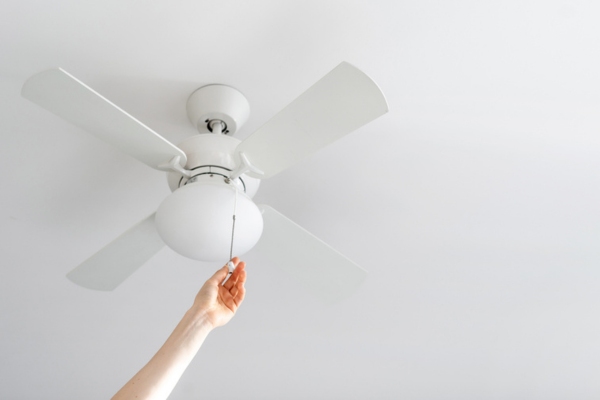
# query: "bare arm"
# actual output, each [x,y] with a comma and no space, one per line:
[215,305]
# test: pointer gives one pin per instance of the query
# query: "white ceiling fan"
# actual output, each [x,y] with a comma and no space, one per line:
[214,176]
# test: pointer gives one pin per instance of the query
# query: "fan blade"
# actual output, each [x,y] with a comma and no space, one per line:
[321,269]
[110,266]
[342,101]
[64,95]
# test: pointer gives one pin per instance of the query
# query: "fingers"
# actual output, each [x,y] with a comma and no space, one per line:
[238,290]
[242,272]
[235,276]
[232,293]
[222,273]
[241,293]
[219,276]
[232,264]
[227,301]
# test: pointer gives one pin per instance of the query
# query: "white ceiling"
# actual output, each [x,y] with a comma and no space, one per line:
[473,203]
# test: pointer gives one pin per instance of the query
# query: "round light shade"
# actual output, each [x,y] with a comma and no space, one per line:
[196,221]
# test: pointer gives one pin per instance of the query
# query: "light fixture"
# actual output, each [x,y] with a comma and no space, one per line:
[196,220]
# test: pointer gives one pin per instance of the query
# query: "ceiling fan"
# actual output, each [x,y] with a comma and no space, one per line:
[214,176]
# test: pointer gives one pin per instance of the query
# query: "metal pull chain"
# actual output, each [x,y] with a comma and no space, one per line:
[233,225]
[230,263]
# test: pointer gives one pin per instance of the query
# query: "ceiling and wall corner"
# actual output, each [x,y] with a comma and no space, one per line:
[473,203]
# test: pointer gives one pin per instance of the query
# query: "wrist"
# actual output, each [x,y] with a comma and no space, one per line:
[198,316]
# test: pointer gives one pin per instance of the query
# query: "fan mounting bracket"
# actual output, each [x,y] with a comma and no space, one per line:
[218,103]
[175,166]
[244,166]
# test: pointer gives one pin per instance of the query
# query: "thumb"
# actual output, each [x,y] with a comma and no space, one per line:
[220,275]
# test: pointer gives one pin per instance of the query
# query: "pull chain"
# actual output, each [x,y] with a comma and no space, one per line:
[230,263]
[233,225]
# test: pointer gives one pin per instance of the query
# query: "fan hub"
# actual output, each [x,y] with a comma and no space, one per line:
[211,156]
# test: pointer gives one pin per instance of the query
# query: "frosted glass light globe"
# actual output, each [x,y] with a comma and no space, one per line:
[196,221]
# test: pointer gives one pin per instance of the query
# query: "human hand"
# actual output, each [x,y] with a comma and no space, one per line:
[218,302]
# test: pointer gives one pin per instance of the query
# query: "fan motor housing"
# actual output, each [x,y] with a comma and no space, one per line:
[210,157]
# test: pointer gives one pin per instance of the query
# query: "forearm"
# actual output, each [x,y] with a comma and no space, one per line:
[158,378]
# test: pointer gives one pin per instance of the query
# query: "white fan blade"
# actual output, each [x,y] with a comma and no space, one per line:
[110,266]
[342,101]
[319,268]
[64,95]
